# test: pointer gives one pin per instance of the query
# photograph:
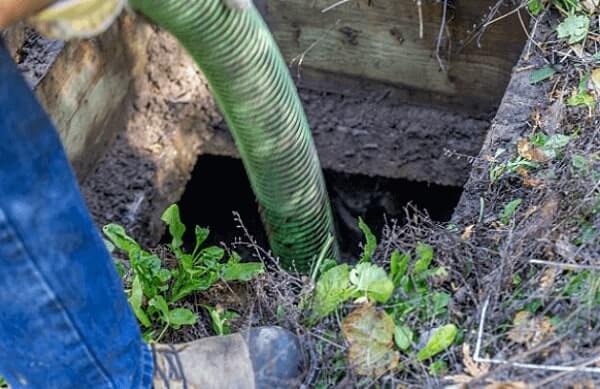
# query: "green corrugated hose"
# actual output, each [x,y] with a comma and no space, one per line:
[255,92]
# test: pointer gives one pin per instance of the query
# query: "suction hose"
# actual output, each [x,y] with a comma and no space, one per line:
[254,90]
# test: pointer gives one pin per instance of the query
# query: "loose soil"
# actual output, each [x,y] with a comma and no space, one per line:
[377,135]
[33,53]
[151,161]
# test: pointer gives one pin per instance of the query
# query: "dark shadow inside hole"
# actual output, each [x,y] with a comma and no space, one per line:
[219,186]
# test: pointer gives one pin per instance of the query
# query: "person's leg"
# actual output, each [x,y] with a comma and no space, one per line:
[64,319]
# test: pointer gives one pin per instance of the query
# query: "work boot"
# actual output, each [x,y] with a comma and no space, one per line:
[264,357]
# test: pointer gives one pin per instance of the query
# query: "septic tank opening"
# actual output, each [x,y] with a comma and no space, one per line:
[219,186]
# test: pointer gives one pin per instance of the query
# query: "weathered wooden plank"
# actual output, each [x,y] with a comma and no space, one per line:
[378,41]
[85,86]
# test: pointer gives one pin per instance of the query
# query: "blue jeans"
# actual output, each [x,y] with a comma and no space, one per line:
[64,319]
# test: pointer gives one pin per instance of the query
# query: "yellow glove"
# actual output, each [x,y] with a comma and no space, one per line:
[66,19]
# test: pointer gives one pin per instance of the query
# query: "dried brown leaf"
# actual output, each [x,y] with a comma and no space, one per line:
[522,331]
[590,5]
[543,330]
[548,278]
[533,183]
[508,385]
[527,180]
[460,379]
[370,333]
[473,368]
[466,235]
[530,152]
[529,330]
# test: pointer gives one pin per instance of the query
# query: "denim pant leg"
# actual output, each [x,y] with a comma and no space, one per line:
[64,319]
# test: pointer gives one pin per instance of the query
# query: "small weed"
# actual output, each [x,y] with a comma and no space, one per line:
[541,74]
[155,290]
[509,210]
[220,319]
[551,145]
[390,303]
[574,27]
[581,95]
[499,169]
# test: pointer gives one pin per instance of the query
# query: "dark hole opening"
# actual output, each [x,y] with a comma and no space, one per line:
[219,186]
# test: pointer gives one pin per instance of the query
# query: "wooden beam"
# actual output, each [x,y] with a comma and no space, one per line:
[364,45]
[84,85]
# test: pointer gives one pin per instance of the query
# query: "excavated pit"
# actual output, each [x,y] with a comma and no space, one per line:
[379,154]
[219,188]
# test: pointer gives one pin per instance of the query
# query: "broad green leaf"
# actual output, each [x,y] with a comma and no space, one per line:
[242,271]
[201,235]
[135,300]
[327,264]
[163,275]
[181,317]
[509,210]
[148,267]
[220,319]
[535,7]
[440,301]
[148,336]
[438,368]
[581,98]
[210,254]
[370,244]
[370,333]
[332,289]
[372,280]
[161,306]
[398,266]
[403,336]
[440,340]
[574,27]
[176,228]
[424,258]
[554,144]
[186,286]
[186,262]
[541,74]
[580,164]
[120,239]
[121,270]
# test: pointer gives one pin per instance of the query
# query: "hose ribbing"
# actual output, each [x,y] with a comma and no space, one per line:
[253,88]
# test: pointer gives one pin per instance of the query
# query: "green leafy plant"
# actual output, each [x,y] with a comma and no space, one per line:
[580,165]
[440,340]
[581,96]
[371,241]
[499,169]
[541,74]
[535,7]
[567,6]
[551,145]
[509,210]
[574,27]
[408,294]
[220,319]
[154,290]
